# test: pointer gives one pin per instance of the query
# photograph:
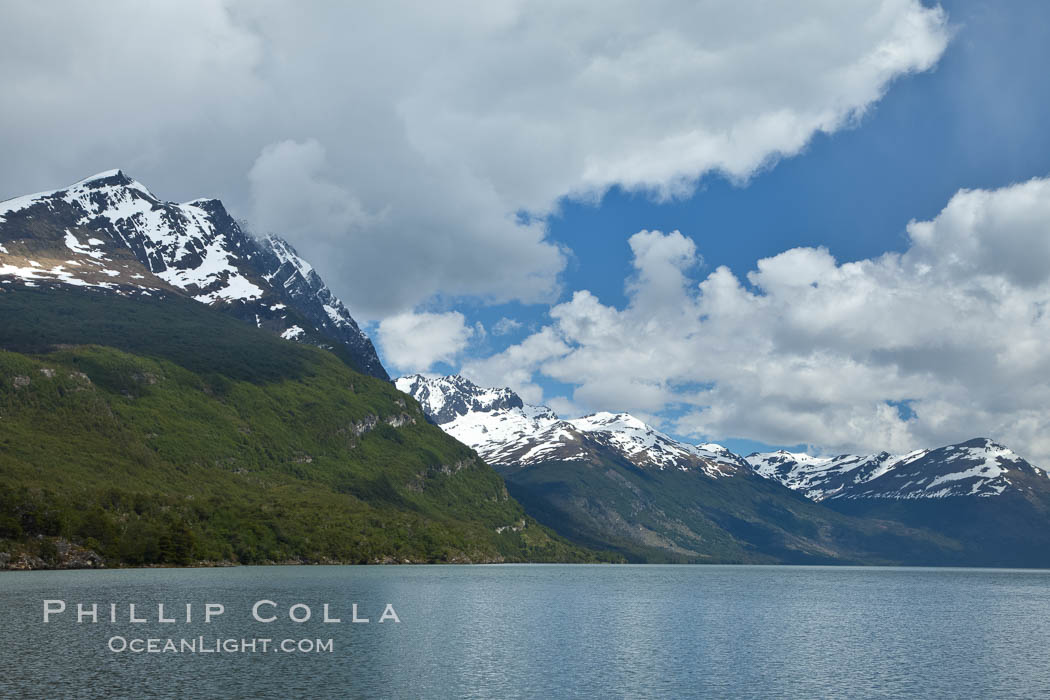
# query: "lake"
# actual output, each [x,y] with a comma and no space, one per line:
[537,631]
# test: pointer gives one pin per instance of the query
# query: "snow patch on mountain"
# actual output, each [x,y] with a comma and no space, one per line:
[89,250]
[58,273]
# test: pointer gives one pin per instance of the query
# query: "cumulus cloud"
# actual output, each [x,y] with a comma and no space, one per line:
[820,352]
[390,134]
[415,342]
[967,236]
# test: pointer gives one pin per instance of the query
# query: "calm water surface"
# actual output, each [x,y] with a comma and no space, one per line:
[542,632]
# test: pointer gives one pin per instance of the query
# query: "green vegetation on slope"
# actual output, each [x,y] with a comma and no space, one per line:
[160,431]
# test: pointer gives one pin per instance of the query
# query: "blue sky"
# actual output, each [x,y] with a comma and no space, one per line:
[978,120]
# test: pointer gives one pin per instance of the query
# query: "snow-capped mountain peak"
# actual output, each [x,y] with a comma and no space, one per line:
[647,446]
[190,248]
[978,467]
[717,453]
[506,431]
[446,398]
[107,179]
[110,231]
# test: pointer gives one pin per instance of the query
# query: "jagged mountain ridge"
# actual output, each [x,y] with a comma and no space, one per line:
[112,233]
[979,468]
[506,431]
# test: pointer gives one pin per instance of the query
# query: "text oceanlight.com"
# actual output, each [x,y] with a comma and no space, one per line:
[202,645]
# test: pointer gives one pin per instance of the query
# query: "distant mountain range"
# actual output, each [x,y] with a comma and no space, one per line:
[976,468]
[972,494]
[505,431]
[508,432]
[110,232]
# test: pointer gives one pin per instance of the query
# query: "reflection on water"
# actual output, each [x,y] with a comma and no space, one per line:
[542,631]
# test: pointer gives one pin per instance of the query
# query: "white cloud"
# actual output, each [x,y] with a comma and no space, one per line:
[957,326]
[292,194]
[967,236]
[414,342]
[564,408]
[412,133]
[586,96]
[505,326]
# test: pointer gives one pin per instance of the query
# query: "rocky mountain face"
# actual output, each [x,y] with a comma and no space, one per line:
[109,232]
[307,293]
[976,468]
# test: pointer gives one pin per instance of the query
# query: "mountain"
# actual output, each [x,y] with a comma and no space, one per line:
[977,468]
[611,481]
[110,232]
[990,501]
[146,428]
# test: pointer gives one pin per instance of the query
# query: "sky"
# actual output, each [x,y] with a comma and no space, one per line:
[820,225]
